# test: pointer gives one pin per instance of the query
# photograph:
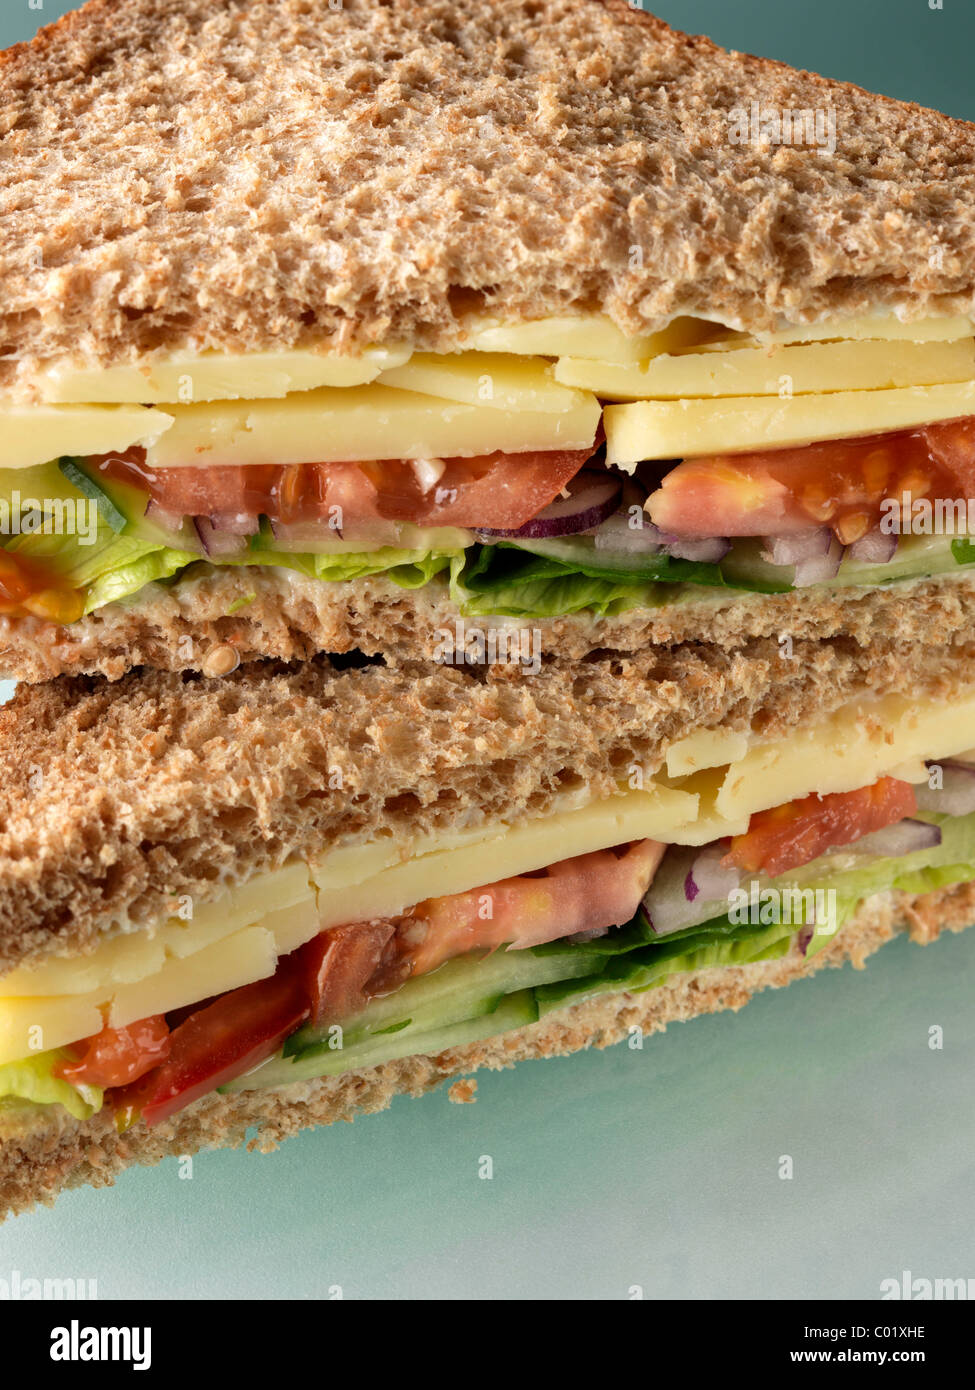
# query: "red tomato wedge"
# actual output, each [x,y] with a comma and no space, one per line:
[338,965]
[791,835]
[118,1056]
[498,491]
[589,893]
[221,1042]
[841,484]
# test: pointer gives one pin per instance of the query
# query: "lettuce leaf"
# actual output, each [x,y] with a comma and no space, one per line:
[33,1080]
[143,564]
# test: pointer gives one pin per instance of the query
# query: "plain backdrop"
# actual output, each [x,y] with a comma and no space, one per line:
[654,1171]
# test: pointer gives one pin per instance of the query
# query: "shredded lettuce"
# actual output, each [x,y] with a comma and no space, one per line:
[33,1080]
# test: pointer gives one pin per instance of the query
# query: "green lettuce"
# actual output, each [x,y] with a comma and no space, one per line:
[33,1080]
[411,569]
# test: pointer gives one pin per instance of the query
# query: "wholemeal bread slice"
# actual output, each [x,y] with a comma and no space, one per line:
[43,1150]
[242,614]
[117,798]
[238,174]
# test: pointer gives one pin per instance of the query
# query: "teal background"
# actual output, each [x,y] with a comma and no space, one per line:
[656,1168]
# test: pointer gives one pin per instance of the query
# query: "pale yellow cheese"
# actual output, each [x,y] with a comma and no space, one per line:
[635,815]
[135,955]
[689,429]
[499,380]
[364,422]
[212,376]
[589,335]
[850,749]
[802,370]
[36,1025]
[237,960]
[883,326]
[705,748]
[30,435]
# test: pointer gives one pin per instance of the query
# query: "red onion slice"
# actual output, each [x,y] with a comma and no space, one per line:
[875,548]
[906,837]
[236,523]
[619,533]
[955,796]
[168,521]
[816,555]
[706,551]
[593,497]
[218,543]
[709,877]
[689,887]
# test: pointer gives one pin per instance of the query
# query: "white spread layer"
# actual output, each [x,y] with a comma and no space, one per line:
[713,782]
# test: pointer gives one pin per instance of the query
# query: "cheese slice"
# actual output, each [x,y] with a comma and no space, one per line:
[364,422]
[30,435]
[588,335]
[886,327]
[184,378]
[499,380]
[635,815]
[849,749]
[801,370]
[239,959]
[692,428]
[705,748]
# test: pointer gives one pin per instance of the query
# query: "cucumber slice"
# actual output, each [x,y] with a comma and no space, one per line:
[514,1011]
[87,486]
[464,988]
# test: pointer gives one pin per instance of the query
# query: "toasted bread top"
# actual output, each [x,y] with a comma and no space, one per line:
[243,174]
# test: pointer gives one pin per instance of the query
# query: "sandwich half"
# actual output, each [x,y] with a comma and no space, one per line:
[329,327]
[278,898]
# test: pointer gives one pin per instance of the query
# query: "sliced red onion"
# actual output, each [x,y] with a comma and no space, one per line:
[710,877]
[619,533]
[689,887]
[169,521]
[216,542]
[706,551]
[875,548]
[236,523]
[955,796]
[816,555]
[806,935]
[593,497]
[906,837]
[797,546]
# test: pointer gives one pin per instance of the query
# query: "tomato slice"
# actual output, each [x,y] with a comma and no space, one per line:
[791,835]
[338,965]
[221,1042]
[591,892]
[497,491]
[118,1056]
[841,484]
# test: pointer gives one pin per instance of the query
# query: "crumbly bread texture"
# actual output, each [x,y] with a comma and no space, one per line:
[117,798]
[281,614]
[41,1154]
[241,174]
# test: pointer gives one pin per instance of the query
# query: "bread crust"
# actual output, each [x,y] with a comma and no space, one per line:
[281,614]
[163,184]
[41,1154]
